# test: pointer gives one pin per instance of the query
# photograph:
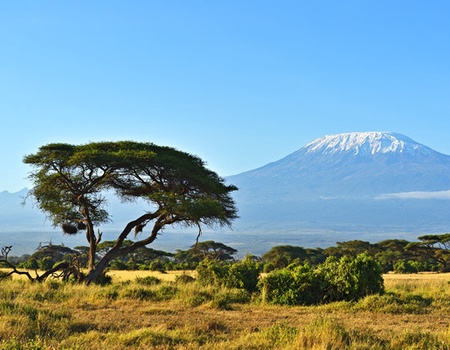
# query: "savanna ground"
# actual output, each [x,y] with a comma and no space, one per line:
[136,312]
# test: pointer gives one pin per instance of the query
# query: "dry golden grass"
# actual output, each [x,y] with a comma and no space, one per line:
[169,276]
[413,314]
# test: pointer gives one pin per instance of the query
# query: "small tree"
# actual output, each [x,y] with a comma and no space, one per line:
[207,250]
[70,182]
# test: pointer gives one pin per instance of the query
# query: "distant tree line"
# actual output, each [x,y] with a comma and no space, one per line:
[430,253]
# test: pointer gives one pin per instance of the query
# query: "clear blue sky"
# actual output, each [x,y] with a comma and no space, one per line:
[238,83]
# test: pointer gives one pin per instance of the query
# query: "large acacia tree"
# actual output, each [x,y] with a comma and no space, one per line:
[70,182]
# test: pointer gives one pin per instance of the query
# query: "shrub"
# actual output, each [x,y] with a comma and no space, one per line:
[405,266]
[156,265]
[298,286]
[148,281]
[199,298]
[104,280]
[351,279]
[210,272]
[243,274]
[140,294]
[334,280]
[118,265]
[46,263]
[30,264]
[184,278]
[166,292]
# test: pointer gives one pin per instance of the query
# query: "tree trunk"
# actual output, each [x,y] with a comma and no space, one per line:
[97,270]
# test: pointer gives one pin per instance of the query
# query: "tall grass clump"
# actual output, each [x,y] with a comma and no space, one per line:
[395,303]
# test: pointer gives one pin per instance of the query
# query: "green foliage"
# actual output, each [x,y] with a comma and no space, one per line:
[243,274]
[30,264]
[433,247]
[48,256]
[184,279]
[46,263]
[300,285]
[206,250]
[351,279]
[281,256]
[210,272]
[334,280]
[156,265]
[103,280]
[405,266]
[68,176]
[148,281]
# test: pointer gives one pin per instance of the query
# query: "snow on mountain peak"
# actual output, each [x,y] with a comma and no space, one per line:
[364,143]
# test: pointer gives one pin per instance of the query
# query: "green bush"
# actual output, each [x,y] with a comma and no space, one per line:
[118,265]
[292,286]
[148,280]
[351,278]
[368,276]
[166,292]
[412,266]
[184,278]
[243,274]
[405,266]
[46,263]
[30,264]
[334,280]
[140,293]
[210,272]
[156,265]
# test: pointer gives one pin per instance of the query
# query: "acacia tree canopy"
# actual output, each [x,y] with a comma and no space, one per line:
[434,247]
[70,182]
[207,250]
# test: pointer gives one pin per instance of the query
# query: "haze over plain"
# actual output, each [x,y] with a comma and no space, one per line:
[239,84]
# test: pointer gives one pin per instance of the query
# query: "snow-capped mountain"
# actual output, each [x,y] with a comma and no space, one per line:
[366,143]
[354,182]
[354,164]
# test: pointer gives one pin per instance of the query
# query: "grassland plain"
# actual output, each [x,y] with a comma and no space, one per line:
[150,310]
